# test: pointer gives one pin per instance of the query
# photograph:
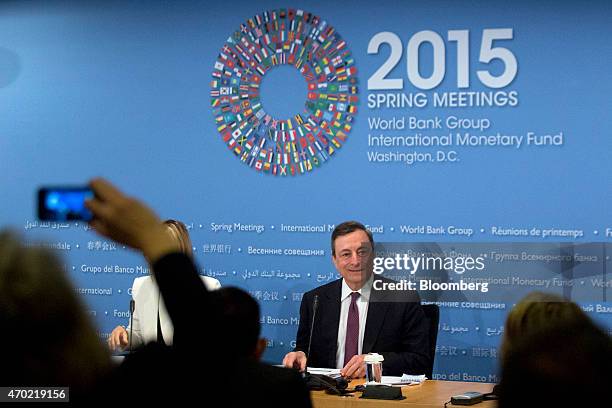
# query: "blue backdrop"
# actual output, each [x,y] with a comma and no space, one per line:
[123,90]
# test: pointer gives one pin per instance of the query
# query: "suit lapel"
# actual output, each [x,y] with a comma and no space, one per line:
[332,319]
[377,310]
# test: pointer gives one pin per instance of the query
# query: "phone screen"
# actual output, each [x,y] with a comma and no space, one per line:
[64,203]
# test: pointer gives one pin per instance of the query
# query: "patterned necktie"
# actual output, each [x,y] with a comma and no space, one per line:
[351,344]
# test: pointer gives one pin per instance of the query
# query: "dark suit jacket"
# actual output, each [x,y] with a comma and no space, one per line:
[395,327]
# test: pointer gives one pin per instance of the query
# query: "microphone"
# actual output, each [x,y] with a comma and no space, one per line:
[315,306]
[132,308]
[319,381]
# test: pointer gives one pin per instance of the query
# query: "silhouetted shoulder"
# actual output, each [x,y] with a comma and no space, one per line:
[279,387]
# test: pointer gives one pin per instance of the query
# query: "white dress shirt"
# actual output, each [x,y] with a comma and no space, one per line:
[362,307]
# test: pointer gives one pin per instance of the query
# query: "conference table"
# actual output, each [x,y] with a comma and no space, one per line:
[429,394]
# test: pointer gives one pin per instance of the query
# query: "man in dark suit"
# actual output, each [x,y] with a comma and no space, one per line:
[353,318]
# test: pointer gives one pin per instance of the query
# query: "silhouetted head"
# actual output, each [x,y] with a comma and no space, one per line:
[240,319]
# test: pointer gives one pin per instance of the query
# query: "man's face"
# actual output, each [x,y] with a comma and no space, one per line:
[353,258]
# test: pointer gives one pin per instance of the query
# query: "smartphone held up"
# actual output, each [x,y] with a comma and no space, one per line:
[65,203]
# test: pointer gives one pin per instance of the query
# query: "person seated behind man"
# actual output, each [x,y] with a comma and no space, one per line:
[553,355]
[353,319]
[150,319]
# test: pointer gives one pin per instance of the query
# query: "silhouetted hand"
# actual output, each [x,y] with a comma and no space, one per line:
[128,221]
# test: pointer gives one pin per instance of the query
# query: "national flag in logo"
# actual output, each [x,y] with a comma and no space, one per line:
[340,135]
[278,37]
[318,146]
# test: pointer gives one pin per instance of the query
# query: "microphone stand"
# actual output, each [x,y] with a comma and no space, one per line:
[132,308]
[315,306]
[319,381]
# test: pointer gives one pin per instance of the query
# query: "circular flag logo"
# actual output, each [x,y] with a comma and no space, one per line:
[303,142]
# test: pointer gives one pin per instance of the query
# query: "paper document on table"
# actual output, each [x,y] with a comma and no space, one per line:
[414,378]
[332,372]
[403,380]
